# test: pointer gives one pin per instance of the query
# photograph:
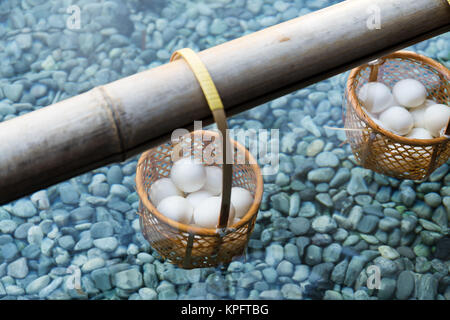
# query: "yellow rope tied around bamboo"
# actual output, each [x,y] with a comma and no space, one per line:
[215,104]
[202,75]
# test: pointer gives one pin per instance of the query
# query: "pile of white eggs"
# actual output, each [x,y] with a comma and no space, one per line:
[192,195]
[405,110]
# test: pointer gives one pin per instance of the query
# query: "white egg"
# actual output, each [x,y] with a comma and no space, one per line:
[176,208]
[397,119]
[242,200]
[374,118]
[419,133]
[418,113]
[163,188]
[198,196]
[188,175]
[213,180]
[436,117]
[409,93]
[376,97]
[207,213]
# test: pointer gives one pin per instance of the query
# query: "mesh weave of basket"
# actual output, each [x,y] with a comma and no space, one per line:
[190,246]
[383,151]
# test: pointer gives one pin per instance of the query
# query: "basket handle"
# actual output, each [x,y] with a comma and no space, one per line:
[215,104]
[374,65]
[447,128]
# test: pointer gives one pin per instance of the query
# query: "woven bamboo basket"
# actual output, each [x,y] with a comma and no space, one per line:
[381,150]
[190,246]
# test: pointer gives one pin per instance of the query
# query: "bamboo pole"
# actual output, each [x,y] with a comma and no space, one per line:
[113,122]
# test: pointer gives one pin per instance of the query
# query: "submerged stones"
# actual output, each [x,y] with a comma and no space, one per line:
[408,196]
[388,252]
[309,125]
[101,229]
[387,288]
[7,226]
[281,202]
[321,175]
[357,185]
[274,254]
[18,268]
[8,251]
[300,226]
[341,176]
[101,278]
[114,175]
[327,159]
[35,286]
[443,248]
[313,255]
[354,268]
[291,291]
[24,209]
[82,214]
[107,244]
[324,224]
[367,224]
[405,285]
[339,272]
[427,287]
[68,194]
[307,210]
[128,279]
[13,92]
[216,285]
[332,253]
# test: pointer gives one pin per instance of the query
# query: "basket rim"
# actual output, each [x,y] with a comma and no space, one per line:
[191,229]
[354,102]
